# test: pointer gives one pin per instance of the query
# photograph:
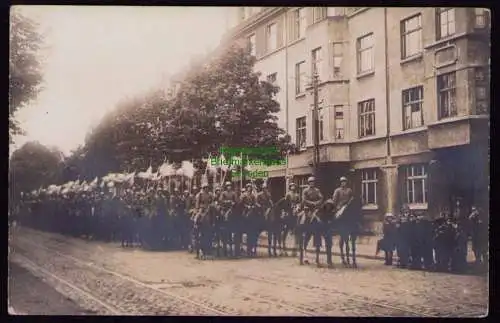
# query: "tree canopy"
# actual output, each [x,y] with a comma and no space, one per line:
[25,75]
[34,165]
[221,103]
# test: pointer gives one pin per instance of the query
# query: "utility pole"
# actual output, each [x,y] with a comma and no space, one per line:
[315,123]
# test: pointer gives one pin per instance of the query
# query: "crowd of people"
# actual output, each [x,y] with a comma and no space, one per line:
[439,244]
[162,217]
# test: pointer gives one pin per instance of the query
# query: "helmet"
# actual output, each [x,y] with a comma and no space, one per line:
[204,185]
[186,191]
[311,179]
[195,188]
[292,185]
[248,185]
[343,179]
[229,184]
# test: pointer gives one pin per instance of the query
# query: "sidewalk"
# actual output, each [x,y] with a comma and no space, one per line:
[365,247]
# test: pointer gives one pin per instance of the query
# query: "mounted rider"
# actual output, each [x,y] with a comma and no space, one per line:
[264,201]
[228,197]
[203,201]
[248,197]
[342,196]
[217,193]
[311,199]
[294,198]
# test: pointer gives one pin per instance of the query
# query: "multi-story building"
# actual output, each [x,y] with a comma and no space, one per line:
[404,98]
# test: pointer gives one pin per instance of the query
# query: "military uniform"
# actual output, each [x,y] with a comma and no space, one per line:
[227,198]
[203,201]
[403,240]
[388,242]
[341,196]
[264,200]
[444,236]
[311,199]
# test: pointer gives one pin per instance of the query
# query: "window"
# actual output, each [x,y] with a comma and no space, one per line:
[299,25]
[445,22]
[339,121]
[416,184]
[482,90]
[369,186]
[301,182]
[366,118]
[271,78]
[319,13]
[299,78]
[272,37]
[446,86]
[411,36]
[365,54]
[337,50]
[316,61]
[482,17]
[412,107]
[252,44]
[301,132]
[321,124]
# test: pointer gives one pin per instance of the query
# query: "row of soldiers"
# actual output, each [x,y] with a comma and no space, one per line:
[440,244]
[157,217]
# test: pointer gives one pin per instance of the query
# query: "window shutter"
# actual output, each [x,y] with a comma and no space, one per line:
[309,15]
[309,123]
[331,122]
[260,40]
[280,26]
[291,26]
[326,124]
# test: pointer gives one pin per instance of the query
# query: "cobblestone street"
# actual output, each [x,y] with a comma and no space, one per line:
[106,279]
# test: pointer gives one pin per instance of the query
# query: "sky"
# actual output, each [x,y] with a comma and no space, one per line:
[96,56]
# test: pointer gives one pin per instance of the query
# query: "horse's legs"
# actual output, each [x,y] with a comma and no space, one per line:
[341,247]
[347,249]
[328,245]
[269,240]
[284,236]
[275,231]
[300,242]
[353,242]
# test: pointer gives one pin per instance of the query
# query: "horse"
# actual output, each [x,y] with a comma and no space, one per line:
[204,223]
[348,226]
[254,222]
[222,236]
[318,224]
[274,226]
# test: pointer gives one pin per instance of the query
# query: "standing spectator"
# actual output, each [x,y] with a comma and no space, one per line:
[479,233]
[388,242]
[403,232]
[460,218]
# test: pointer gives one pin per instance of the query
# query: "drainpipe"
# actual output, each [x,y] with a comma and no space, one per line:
[387,91]
[390,170]
[286,96]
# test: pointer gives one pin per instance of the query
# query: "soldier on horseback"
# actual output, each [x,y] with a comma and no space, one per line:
[291,217]
[249,200]
[203,201]
[342,196]
[263,199]
[347,222]
[228,197]
[311,200]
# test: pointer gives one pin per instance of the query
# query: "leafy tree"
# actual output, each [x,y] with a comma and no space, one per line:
[34,165]
[220,103]
[225,104]
[25,74]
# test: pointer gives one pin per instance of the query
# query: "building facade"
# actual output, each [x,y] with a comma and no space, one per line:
[404,99]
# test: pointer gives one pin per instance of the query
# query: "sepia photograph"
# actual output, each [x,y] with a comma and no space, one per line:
[249,161]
